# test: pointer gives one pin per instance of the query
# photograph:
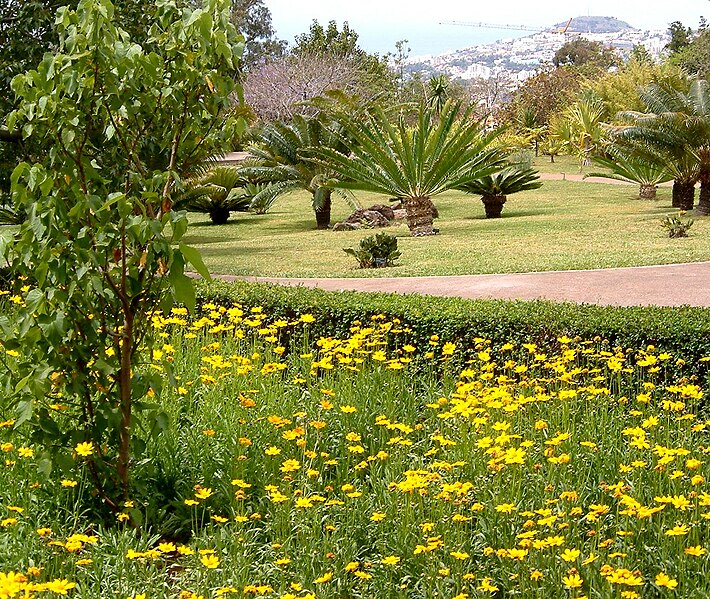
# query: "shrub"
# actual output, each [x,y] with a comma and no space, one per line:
[675,226]
[683,332]
[376,251]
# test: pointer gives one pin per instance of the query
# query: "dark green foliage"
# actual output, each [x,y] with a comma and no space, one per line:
[676,226]
[376,251]
[513,179]
[683,332]
[680,37]
[253,20]
[218,192]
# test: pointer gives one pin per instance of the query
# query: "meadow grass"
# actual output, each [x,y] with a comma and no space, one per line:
[562,226]
[366,467]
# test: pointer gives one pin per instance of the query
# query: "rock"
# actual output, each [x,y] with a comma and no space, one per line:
[400,214]
[385,211]
[345,226]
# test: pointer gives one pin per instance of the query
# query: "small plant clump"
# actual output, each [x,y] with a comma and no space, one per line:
[675,226]
[376,251]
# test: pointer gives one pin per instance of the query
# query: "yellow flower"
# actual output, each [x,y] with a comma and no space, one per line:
[325,578]
[84,449]
[203,493]
[697,551]
[573,581]
[210,561]
[59,586]
[569,555]
[678,531]
[391,560]
[663,580]
[487,585]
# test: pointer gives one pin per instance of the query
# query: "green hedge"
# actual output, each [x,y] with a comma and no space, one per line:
[683,332]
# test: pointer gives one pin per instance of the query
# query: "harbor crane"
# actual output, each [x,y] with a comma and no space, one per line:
[562,31]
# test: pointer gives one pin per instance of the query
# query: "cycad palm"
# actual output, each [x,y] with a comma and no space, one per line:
[280,160]
[413,163]
[676,128]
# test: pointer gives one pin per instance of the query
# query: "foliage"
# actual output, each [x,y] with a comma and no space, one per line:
[683,332]
[281,161]
[510,180]
[681,37]
[412,163]
[438,92]
[676,127]
[100,250]
[580,126]
[375,251]
[217,192]
[252,19]
[593,56]
[26,33]
[626,165]
[676,226]
[544,95]
[695,58]
[620,91]
[356,462]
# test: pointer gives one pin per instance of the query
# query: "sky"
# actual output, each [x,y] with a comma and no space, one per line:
[380,24]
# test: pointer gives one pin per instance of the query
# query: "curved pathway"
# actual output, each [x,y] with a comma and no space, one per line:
[671,285]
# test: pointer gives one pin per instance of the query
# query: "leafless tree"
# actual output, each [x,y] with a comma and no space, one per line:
[278,89]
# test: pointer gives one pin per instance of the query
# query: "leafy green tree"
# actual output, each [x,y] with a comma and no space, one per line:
[252,19]
[100,249]
[695,57]
[544,95]
[413,163]
[581,52]
[681,37]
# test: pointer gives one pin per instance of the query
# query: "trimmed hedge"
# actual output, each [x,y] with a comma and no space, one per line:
[682,332]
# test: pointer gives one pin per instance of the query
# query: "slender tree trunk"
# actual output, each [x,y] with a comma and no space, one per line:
[125,384]
[647,192]
[703,207]
[420,216]
[323,211]
[683,195]
[219,216]
[493,205]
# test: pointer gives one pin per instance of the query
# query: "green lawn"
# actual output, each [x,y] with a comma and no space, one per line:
[564,225]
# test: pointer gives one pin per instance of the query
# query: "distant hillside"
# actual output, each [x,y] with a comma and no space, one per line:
[595,25]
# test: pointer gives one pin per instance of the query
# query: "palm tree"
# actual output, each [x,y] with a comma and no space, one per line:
[415,163]
[217,192]
[280,159]
[495,188]
[677,128]
[582,129]
[629,166]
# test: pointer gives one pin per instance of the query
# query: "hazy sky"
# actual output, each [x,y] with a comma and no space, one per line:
[381,23]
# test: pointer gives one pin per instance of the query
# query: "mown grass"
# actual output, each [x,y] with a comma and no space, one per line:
[562,226]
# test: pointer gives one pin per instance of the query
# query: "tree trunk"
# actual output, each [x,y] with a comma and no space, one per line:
[219,216]
[493,205]
[683,195]
[647,192]
[703,207]
[323,209]
[420,216]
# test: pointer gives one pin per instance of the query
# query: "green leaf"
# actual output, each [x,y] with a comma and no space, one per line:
[24,411]
[193,257]
[184,291]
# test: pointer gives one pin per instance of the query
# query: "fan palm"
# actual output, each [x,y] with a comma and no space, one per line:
[280,159]
[415,163]
[495,188]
